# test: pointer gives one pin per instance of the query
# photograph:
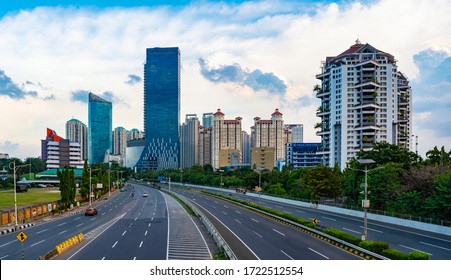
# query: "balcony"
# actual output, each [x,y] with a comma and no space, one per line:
[323,132]
[367,126]
[321,113]
[368,105]
[322,94]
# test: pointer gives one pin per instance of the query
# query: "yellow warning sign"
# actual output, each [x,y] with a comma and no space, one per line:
[314,221]
[21,236]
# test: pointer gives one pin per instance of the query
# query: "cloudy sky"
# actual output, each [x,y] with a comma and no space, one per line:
[245,57]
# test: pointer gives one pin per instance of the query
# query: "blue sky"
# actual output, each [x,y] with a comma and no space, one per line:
[246,57]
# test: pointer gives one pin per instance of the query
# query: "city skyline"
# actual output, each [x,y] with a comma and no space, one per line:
[246,58]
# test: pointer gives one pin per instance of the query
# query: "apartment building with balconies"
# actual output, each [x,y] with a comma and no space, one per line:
[364,100]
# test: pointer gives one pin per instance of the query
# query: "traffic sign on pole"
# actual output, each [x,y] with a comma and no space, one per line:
[22,236]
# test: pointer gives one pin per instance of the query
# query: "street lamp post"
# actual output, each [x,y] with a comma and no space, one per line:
[366,202]
[181,176]
[90,184]
[221,183]
[109,182]
[12,165]
[259,182]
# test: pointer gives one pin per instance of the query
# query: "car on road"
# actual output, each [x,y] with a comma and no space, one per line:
[145,194]
[90,212]
[123,189]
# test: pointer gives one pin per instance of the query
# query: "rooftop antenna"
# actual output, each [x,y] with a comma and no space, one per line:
[357,41]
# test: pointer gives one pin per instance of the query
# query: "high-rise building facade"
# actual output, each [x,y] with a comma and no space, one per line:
[296,132]
[189,141]
[161,109]
[364,100]
[205,146]
[245,148]
[135,134]
[207,120]
[77,131]
[226,135]
[270,134]
[100,115]
[120,136]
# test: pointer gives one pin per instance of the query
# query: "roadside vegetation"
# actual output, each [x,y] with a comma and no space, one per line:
[406,185]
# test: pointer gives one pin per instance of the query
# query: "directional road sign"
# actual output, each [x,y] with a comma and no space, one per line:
[21,236]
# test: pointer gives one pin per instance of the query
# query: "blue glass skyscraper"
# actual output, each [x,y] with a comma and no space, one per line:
[161,109]
[100,122]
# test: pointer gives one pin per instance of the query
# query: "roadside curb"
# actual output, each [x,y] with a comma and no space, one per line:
[9,230]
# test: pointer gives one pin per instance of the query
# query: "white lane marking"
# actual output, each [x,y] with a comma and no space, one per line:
[4,257]
[226,206]
[238,221]
[145,233]
[114,244]
[318,253]
[255,220]
[141,244]
[258,234]
[103,258]
[63,231]
[213,201]
[328,218]
[80,224]
[124,232]
[224,213]
[110,209]
[373,229]
[286,254]
[149,225]
[213,206]
[93,219]
[61,224]
[278,232]
[77,218]
[136,218]
[41,231]
[435,246]
[15,240]
[351,230]
[134,258]
[238,212]
[103,214]
[413,249]
[37,243]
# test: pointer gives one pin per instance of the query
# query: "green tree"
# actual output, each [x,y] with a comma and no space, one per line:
[440,201]
[384,185]
[383,153]
[324,181]
[67,186]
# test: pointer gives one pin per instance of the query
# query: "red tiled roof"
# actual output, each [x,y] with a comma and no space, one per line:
[219,112]
[277,112]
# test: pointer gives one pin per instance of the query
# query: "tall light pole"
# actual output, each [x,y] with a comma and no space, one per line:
[109,182]
[366,202]
[181,176]
[220,172]
[90,184]
[259,182]
[12,165]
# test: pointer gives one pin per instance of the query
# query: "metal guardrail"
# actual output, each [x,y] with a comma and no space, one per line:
[220,241]
[318,234]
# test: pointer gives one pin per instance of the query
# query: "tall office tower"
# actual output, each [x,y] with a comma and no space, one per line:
[76,131]
[269,134]
[205,146]
[245,148]
[226,141]
[189,141]
[297,133]
[134,134]
[207,119]
[100,122]
[364,100]
[120,136]
[161,109]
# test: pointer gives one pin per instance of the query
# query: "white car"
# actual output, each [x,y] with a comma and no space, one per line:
[145,194]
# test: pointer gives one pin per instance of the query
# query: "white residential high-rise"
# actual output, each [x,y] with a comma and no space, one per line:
[364,100]
[246,147]
[76,131]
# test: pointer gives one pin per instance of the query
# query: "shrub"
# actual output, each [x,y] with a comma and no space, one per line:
[374,246]
[415,255]
[343,236]
[394,254]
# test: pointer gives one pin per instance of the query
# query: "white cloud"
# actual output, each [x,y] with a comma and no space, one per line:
[68,49]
